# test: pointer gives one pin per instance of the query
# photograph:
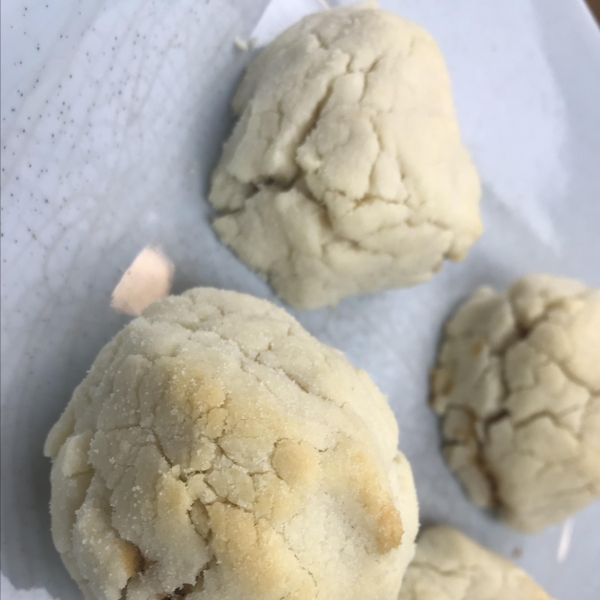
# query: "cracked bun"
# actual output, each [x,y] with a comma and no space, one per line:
[346,173]
[448,565]
[218,451]
[518,386]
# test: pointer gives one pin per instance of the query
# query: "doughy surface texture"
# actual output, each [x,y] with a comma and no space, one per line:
[217,451]
[518,386]
[448,565]
[345,173]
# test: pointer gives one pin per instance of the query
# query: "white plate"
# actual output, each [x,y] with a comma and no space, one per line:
[112,116]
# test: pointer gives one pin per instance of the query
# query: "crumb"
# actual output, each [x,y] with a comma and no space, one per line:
[147,279]
[565,541]
[240,44]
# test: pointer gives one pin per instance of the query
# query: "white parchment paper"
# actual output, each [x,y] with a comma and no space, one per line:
[113,112]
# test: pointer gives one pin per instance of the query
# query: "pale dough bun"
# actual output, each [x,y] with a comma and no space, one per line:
[448,565]
[518,386]
[218,451]
[346,173]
